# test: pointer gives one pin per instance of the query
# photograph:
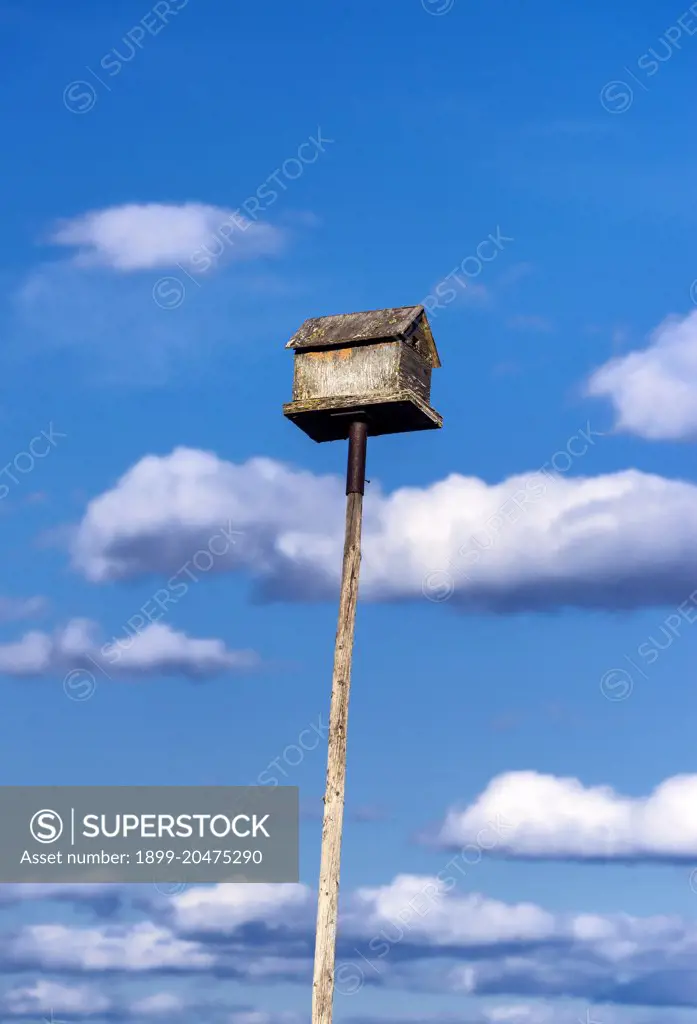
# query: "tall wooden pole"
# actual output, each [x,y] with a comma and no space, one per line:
[328,900]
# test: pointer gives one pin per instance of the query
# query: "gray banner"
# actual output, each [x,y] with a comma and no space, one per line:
[162,834]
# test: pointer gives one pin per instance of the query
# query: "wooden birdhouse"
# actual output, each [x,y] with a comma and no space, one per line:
[375,365]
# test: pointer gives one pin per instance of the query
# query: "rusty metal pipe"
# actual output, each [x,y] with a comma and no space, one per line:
[358,443]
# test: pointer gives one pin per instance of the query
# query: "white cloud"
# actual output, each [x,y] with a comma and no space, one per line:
[262,969]
[622,540]
[158,1004]
[612,958]
[151,235]
[631,971]
[416,933]
[654,390]
[61,1003]
[537,1012]
[561,819]
[434,915]
[518,1013]
[426,912]
[138,948]
[187,498]
[156,650]
[50,997]
[222,909]
[151,293]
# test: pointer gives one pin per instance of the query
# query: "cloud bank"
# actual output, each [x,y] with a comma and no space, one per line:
[415,933]
[533,542]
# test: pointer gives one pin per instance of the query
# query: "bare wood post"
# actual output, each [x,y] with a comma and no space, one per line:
[353,368]
[328,900]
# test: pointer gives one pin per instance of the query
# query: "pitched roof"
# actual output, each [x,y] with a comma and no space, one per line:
[375,325]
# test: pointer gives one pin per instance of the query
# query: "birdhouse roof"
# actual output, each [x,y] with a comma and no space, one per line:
[370,327]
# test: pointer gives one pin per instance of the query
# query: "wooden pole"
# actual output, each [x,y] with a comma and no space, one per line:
[328,899]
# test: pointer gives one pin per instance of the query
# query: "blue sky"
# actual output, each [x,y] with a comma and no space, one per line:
[140,406]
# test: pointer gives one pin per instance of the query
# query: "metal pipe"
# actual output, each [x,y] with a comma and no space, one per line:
[355,471]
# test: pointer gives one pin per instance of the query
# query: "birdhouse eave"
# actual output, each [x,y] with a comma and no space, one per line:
[371,327]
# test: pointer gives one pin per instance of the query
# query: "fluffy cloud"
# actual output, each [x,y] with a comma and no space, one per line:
[60,1003]
[44,997]
[49,997]
[139,948]
[561,819]
[224,909]
[416,933]
[147,236]
[157,650]
[534,1013]
[158,1004]
[108,309]
[654,390]
[420,925]
[51,1000]
[630,970]
[533,542]
[190,502]
[423,910]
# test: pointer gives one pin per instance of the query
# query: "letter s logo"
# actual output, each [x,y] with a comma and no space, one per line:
[46,826]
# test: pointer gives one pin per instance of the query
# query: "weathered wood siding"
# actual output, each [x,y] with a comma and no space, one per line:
[421,339]
[414,373]
[341,372]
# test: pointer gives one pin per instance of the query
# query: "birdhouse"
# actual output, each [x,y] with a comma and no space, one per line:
[374,366]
